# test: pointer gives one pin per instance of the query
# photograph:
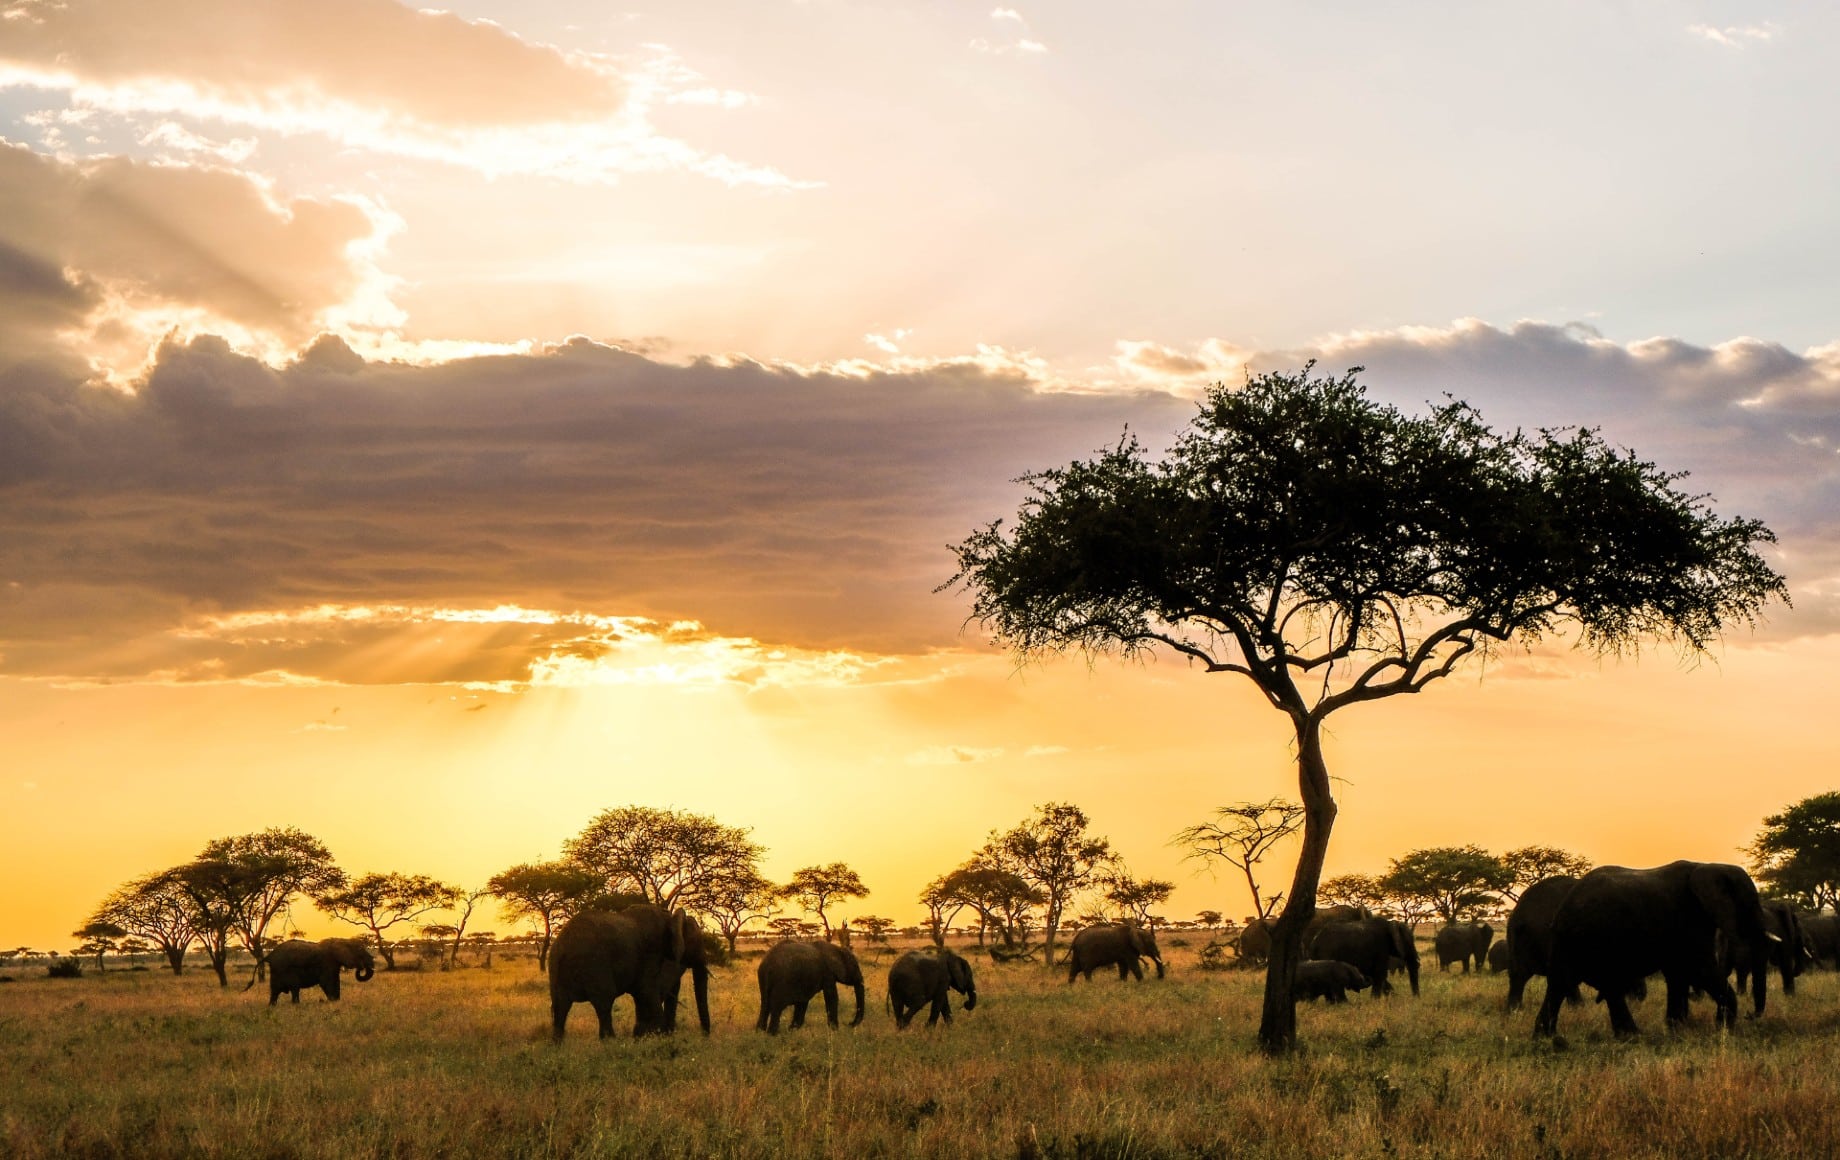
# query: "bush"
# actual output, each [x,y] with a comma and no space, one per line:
[64,969]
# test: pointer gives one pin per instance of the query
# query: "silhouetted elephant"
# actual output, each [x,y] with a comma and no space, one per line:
[1821,930]
[298,963]
[1123,943]
[1618,926]
[1254,944]
[1366,944]
[1465,942]
[1326,979]
[1530,936]
[1788,955]
[919,978]
[792,972]
[1498,956]
[641,951]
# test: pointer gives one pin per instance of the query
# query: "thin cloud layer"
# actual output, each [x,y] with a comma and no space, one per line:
[275,57]
[367,74]
[809,509]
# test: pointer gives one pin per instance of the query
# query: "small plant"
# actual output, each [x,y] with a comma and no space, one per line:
[64,969]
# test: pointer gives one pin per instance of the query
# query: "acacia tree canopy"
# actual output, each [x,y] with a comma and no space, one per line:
[1531,864]
[1797,853]
[670,857]
[1241,835]
[1448,879]
[1334,550]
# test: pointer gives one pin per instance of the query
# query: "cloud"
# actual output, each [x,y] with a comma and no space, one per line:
[953,755]
[189,529]
[810,509]
[1735,36]
[1023,44]
[419,66]
[118,251]
[370,74]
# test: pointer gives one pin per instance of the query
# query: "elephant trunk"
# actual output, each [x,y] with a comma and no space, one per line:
[858,988]
[971,999]
[699,979]
[1159,968]
[1760,957]
[363,974]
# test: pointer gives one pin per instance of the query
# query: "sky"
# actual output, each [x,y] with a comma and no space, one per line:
[431,428]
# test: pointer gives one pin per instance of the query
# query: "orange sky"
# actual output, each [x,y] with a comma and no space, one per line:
[431,466]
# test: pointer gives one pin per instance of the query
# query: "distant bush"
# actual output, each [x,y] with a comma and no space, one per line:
[1178,942]
[64,969]
[1214,957]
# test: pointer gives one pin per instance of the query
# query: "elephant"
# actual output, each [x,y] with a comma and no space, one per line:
[1326,979]
[792,972]
[1821,930]
[1498,956]
[641,951]
[1530,936]
[918,978]
[298,963]
[1789,955]
[1366,944]
[1254,945]
[1122,943]
[1618,926]
[1464,943]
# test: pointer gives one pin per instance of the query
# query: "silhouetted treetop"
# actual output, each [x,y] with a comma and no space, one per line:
[1300,529]
[1797,853]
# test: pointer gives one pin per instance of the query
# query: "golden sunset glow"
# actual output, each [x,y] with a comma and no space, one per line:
[431,428]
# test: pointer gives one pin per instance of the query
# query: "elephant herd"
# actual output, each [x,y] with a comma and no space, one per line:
[1696,924]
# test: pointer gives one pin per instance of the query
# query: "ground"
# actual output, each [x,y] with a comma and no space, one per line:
[459,1064]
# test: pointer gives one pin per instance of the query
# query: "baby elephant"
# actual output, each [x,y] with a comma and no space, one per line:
[1326,979]
[918,978]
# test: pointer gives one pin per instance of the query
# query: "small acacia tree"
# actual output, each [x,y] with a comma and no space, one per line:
[1241,835]
[1531,864]
[1053,852]
[1450,880]
[669,856]
[1333,551]
[1797,853]
[816,887]
[154,908]
[547,892]
[378,902]
[1362,890]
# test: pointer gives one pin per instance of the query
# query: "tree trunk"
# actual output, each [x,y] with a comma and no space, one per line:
[1278,1024]
[175,958]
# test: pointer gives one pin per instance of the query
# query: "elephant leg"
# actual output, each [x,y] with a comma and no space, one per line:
[558,1017]
[1547,1021]
[1137,971]
[773,1020]
[296,994]
[798,1012]
[941,1007]
[830,1005]
[603,1015]
[1517,985]
[903,1016]
[1337,994]
[1622,1023]
[1122,969]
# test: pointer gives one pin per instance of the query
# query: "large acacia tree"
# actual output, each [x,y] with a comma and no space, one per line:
[1333,550]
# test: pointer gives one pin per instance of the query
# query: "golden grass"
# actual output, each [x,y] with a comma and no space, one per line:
[459,1064]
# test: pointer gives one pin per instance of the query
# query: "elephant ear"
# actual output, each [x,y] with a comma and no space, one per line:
[1732,908]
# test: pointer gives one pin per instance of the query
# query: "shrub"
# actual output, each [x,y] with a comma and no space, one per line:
[64,969]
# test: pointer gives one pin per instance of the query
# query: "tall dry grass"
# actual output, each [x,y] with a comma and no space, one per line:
[458,1064]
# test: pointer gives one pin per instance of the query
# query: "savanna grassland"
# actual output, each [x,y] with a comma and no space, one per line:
[458,1064]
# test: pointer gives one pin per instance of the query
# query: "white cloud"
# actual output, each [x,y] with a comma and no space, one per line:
[1736,36]
[953,755]
[373,75]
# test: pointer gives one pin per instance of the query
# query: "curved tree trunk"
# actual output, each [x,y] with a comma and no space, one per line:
[1278,1024]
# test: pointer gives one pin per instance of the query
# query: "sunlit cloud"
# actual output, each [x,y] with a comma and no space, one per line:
[1023,44]
[371,75]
